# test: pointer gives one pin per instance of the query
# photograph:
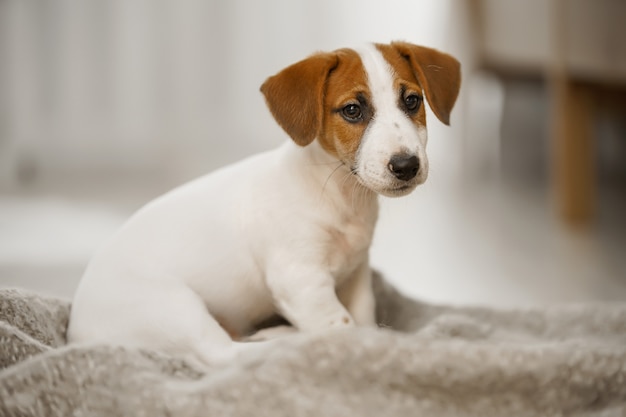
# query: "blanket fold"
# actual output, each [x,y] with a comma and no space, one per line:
[425,360]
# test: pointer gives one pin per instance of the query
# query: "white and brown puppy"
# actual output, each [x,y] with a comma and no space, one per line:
[285,232]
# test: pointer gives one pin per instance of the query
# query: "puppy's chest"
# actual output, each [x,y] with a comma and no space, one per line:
[348,245]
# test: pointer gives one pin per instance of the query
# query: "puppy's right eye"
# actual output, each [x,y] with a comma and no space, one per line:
[352,113]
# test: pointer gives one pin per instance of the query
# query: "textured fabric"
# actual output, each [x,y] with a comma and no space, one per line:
[425,361]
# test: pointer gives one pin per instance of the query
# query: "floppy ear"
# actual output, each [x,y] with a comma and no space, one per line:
[439,75]
[295,96]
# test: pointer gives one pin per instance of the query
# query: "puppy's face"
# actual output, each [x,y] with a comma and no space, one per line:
[374,120]
[366,107]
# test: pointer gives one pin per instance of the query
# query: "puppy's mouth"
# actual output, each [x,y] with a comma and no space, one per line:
[402,188]
[386,189]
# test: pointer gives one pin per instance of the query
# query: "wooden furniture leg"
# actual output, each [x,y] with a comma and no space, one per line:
[574,154]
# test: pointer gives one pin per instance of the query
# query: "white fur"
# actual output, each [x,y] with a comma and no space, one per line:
[287,231]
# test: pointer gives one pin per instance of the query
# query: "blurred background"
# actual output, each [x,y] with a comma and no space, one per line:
[104,105]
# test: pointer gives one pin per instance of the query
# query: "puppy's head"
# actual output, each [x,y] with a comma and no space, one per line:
[366,107]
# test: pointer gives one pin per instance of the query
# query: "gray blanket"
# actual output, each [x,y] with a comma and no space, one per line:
[425,360]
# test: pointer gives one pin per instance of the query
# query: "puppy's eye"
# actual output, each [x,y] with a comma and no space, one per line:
[412,102]
[352,113]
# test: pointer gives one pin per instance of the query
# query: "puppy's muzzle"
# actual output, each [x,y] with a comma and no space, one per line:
[404,167]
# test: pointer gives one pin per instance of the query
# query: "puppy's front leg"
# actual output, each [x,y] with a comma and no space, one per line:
[306,297]
[358,296]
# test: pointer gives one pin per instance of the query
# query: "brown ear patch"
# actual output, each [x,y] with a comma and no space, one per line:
[439,75]
[295,96]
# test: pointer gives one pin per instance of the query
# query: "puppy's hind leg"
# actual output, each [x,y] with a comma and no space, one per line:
[199,336]
[177,321]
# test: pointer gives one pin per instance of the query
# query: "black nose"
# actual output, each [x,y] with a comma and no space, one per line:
[404,167]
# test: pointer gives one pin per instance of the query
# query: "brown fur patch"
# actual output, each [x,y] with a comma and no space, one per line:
[346,84]
[295,96]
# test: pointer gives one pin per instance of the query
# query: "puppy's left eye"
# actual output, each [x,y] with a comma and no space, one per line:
[352,113]
[412,102]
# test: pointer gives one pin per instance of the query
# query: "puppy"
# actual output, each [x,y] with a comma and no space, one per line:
[286,232]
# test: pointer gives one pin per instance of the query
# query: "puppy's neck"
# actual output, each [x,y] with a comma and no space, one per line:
[331,178]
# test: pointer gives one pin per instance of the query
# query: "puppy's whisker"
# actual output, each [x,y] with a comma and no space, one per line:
[360,195]
[355,192]
[362,192]
[365,193]
[346,177]
[339,165]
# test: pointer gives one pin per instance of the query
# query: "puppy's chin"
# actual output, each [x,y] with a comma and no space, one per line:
[398,192]
[393,189]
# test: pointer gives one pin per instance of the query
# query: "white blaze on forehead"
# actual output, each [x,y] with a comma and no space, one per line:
[380,77]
